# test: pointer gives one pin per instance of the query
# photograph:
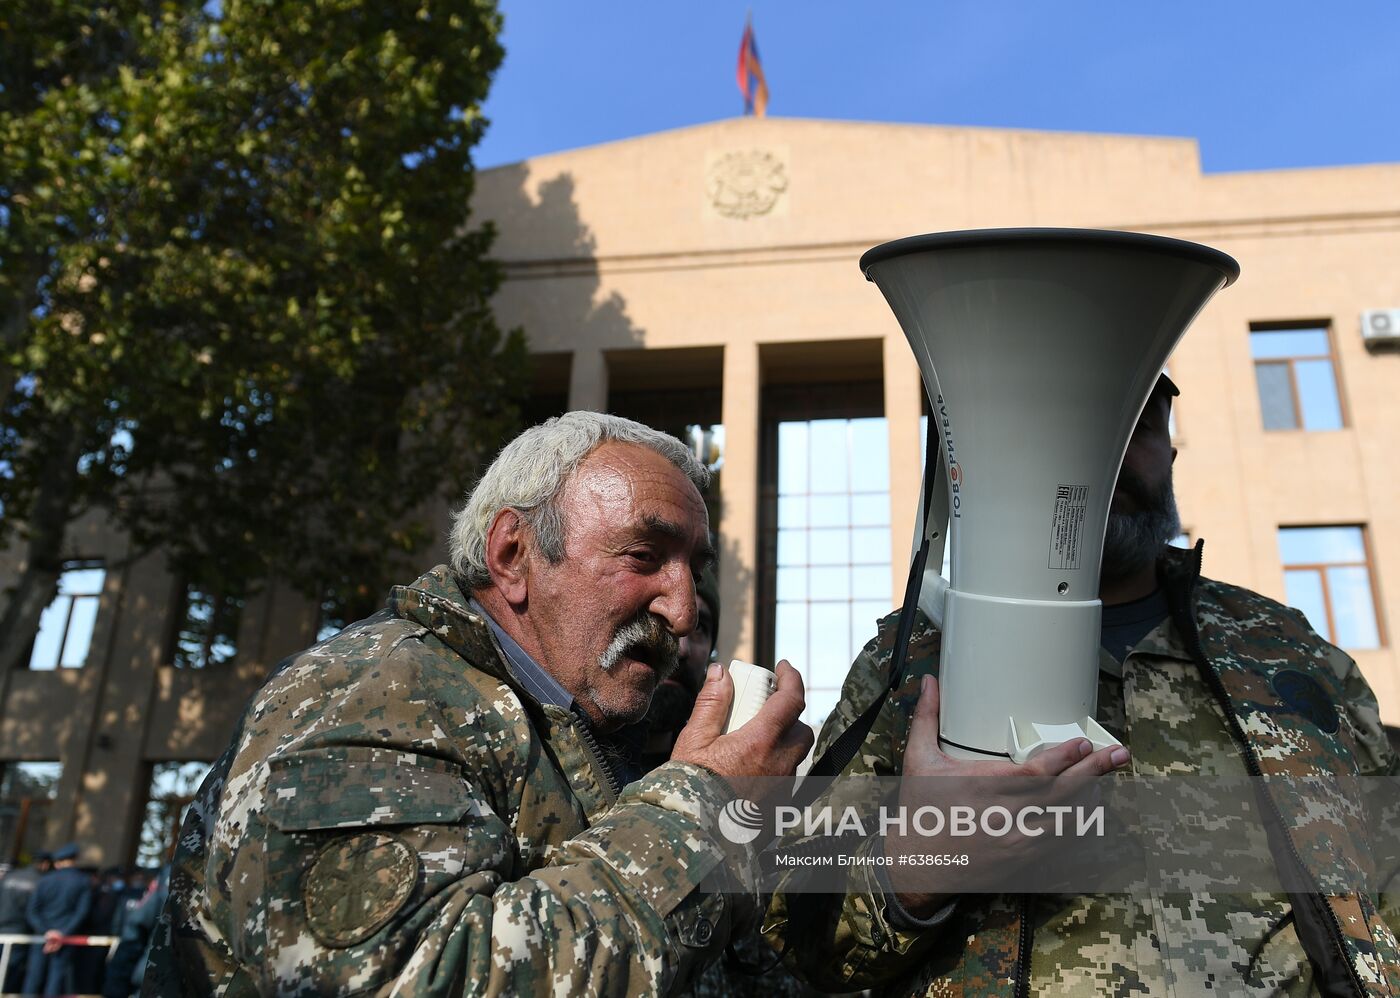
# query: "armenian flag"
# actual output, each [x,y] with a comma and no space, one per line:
[750,74]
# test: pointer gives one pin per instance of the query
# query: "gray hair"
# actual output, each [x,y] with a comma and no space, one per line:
[530,474]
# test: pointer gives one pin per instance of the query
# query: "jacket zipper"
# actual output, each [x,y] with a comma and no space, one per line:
[1023,948]
[1217,686]
[611,787]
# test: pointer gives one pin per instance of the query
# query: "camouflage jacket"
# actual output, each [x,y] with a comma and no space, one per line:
[1197,695]
[397,815]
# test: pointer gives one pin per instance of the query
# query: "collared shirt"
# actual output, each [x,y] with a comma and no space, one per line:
[542,686]
[623,748]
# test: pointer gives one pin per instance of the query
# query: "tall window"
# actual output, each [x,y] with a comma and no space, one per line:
[27,790]
[1327,574]
[1296,374]
[65,628]
[173,787]
[208,630]
[831,549]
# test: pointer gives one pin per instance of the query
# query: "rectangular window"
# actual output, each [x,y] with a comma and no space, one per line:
[173,787]
[27,790]
[65,627]
[831,548]
[208,628]
[1296,374]
[1327,575]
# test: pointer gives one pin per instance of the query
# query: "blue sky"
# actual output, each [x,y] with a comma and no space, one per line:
[1259,85]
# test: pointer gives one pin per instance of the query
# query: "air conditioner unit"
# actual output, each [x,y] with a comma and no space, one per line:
[1381,327]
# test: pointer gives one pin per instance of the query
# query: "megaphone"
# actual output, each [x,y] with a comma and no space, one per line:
[1038,350]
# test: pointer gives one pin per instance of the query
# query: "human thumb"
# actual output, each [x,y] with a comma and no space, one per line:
[711,710]
[923,729]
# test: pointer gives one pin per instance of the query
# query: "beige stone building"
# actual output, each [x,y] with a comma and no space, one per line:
[705,280]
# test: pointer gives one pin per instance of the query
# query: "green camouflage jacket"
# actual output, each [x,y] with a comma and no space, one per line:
[396,815]
[1196,696]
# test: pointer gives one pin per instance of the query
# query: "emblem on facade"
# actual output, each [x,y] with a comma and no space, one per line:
[747,183]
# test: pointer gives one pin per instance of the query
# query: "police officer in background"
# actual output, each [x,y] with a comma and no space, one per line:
[58,906]
[16,888]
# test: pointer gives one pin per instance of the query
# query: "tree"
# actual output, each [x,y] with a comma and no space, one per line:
[244,310]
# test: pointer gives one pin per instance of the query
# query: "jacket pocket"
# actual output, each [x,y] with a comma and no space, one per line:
[354,786]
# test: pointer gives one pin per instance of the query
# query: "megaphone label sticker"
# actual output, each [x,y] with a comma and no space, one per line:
[1067,527]
[955,475]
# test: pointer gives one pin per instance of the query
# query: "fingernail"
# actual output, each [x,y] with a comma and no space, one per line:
[714,671]
[1085,748]
[1119,756]
[925,685]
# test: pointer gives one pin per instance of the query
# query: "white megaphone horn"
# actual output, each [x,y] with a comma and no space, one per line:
[1038,349]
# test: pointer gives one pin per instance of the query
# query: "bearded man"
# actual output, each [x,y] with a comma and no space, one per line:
[1198,680]
[437,800]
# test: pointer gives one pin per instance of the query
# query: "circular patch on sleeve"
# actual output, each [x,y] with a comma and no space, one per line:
[356,885]
[1306,695]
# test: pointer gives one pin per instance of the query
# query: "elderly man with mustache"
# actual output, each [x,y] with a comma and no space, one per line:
[442,798]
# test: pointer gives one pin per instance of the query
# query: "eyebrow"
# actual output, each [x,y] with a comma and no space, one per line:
[668,528]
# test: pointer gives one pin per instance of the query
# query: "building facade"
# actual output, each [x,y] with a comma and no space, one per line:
[705,281]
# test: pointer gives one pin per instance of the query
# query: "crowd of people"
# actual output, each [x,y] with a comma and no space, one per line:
[59,898]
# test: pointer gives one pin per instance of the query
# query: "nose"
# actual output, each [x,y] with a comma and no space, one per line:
[676,602]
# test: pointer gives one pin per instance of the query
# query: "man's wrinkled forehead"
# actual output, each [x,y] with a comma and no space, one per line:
[635,490]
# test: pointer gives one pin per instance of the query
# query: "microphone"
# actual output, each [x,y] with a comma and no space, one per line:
[753,685]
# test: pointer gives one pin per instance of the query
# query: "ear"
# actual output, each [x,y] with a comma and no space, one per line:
[508,556]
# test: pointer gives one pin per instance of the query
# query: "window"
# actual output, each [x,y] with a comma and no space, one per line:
[65,627]
[1295,372]
[831,548]
[173,787]
[1327,575]
[208,628]
[27,790]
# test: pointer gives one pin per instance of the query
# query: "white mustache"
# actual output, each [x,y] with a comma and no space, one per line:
[644,633]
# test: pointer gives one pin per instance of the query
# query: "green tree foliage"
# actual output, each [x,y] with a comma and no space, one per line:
[242,306]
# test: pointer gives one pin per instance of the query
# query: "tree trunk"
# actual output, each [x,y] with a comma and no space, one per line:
[48,524]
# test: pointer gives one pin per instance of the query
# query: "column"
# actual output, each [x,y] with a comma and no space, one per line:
[903,407]
[738,542]
[588,380]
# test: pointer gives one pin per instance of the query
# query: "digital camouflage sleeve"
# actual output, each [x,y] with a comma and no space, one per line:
[397,816]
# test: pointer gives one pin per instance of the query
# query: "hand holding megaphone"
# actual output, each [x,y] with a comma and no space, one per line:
[1063,774]
[745,727]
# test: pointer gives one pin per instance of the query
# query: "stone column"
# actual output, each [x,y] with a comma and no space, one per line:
[903,407]
[738,542]
[588,380]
